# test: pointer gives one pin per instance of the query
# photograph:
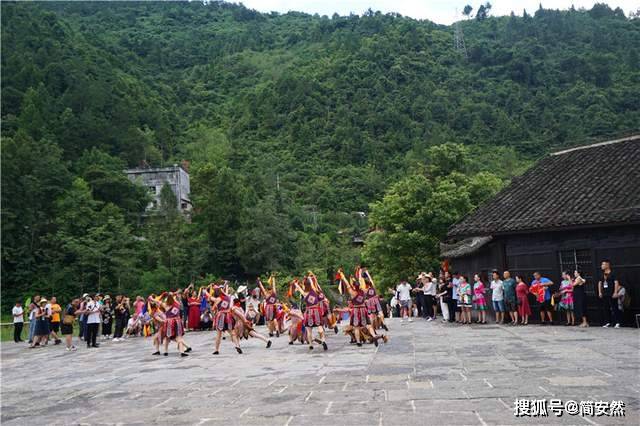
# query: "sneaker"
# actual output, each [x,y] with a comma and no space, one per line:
[183,354]
[606,325]
[73,348]
[429,319]
[410,320]
[269,343]
[616,326]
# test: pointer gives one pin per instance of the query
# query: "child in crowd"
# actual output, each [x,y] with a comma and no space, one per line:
[566,297]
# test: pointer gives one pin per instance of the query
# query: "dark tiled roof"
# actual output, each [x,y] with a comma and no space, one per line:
[591,185]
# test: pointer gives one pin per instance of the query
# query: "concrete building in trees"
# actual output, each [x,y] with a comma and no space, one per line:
[177,177]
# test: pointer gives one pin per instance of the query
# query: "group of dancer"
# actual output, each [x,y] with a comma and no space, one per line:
[305,321]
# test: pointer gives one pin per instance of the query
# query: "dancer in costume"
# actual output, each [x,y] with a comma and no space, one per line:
[270,301]
[174,328]
[372,302]
[243,326]
[313,310]
[159,323]
[224,319]
[296,318]
[360,316]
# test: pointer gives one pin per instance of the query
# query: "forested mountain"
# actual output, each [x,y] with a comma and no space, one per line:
[292,123]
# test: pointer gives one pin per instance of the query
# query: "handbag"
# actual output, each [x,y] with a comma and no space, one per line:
[68,319]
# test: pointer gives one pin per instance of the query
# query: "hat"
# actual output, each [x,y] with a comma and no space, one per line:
[43,300]
[107,297]
[241,289]
[84,296]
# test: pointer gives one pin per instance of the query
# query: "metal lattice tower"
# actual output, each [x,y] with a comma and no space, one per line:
[458,40]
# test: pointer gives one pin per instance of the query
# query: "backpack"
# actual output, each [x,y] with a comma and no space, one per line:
[626,300]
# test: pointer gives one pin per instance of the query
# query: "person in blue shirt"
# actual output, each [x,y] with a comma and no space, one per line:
[545,306]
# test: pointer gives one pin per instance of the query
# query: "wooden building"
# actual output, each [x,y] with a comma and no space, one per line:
[574,208]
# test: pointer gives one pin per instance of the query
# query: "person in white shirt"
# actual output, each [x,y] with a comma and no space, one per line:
[497,297]
[18,322]
[92,310]
[430,297]
[404,297]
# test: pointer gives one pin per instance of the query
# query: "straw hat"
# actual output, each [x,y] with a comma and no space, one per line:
[43,300]
[241,289]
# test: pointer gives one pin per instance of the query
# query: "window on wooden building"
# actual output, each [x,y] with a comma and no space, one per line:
[581,260]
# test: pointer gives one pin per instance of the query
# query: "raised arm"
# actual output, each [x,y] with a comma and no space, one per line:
[262,290]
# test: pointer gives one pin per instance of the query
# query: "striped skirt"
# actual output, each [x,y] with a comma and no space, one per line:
[359,316]
[174,328]
[373,305]
[312,316]
[223,321]
[269,311]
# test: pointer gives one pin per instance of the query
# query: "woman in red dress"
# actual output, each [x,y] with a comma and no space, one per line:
[522,293]
[194,311]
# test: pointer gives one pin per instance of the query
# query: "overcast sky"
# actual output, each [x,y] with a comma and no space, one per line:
[440,11]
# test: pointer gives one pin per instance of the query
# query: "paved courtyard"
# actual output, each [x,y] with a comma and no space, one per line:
[428,373]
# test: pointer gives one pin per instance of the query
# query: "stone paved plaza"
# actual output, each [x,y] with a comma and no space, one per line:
[428,373]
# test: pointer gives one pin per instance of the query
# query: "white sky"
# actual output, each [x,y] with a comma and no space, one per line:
[439,11]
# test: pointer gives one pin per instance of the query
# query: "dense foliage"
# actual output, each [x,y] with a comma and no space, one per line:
[293,124]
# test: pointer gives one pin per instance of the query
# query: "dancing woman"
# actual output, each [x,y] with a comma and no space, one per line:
[174,328]
[296,318]
[244,326]
[360,319]
[313,310]
[224,319]
[159,324]
[270,301]
[372,301]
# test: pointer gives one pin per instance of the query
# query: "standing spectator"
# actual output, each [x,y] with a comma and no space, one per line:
[579,298]
[543,284]
[479,300]
[42,324]
[451,302]
[33,307]
[107,317]
[510,301]
[54,310]
[404,297]
[18,322]
[71,311]
[607,286]
[497,297]
[121,316]
[420,298]
[82,329]
[618,304]
[430,292]
[93,322]
[138,306]
[455,309]
[522,293]
[194,311]
[464,300]
[443,295]
[566,297]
